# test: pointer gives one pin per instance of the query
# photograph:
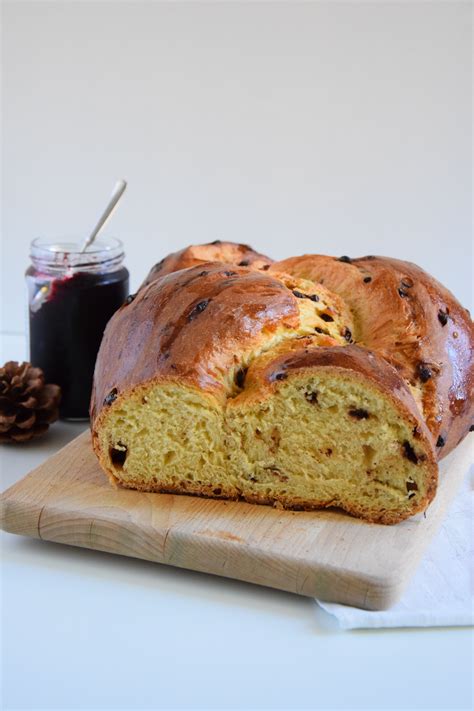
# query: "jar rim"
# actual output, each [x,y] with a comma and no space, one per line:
[64,255]
[45,248]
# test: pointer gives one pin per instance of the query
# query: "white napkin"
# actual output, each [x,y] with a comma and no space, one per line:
[441,592]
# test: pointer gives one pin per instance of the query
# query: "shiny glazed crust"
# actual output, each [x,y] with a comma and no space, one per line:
[415,323]
[189,324]
[195,325]
[240,255]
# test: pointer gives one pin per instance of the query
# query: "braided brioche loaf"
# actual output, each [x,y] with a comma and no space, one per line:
[245,382]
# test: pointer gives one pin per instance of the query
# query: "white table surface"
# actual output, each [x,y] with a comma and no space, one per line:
[89,630]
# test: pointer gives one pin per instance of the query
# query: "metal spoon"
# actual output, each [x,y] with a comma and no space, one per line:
[43,292]
[112,204]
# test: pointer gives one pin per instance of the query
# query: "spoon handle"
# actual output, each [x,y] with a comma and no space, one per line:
[115,197]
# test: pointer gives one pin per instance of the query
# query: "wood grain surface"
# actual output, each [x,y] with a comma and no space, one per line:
[324,554]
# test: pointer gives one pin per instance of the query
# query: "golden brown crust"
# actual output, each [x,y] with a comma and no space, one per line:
[240,255]
[415,323]
[195,325]
[190,325]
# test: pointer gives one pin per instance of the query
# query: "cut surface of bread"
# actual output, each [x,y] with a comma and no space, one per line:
[322,436]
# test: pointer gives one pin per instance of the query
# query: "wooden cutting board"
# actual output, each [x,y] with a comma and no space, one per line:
[324,554]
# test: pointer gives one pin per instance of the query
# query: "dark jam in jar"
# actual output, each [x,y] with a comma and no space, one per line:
[72,295]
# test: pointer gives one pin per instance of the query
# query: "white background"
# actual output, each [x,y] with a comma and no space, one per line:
[335,127]
[331,127]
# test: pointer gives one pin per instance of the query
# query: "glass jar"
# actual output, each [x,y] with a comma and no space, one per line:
[71,296]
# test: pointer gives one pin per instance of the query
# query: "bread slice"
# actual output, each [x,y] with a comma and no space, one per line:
[228,383]
[319,427]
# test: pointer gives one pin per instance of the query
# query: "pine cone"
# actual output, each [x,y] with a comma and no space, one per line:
[27,405]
